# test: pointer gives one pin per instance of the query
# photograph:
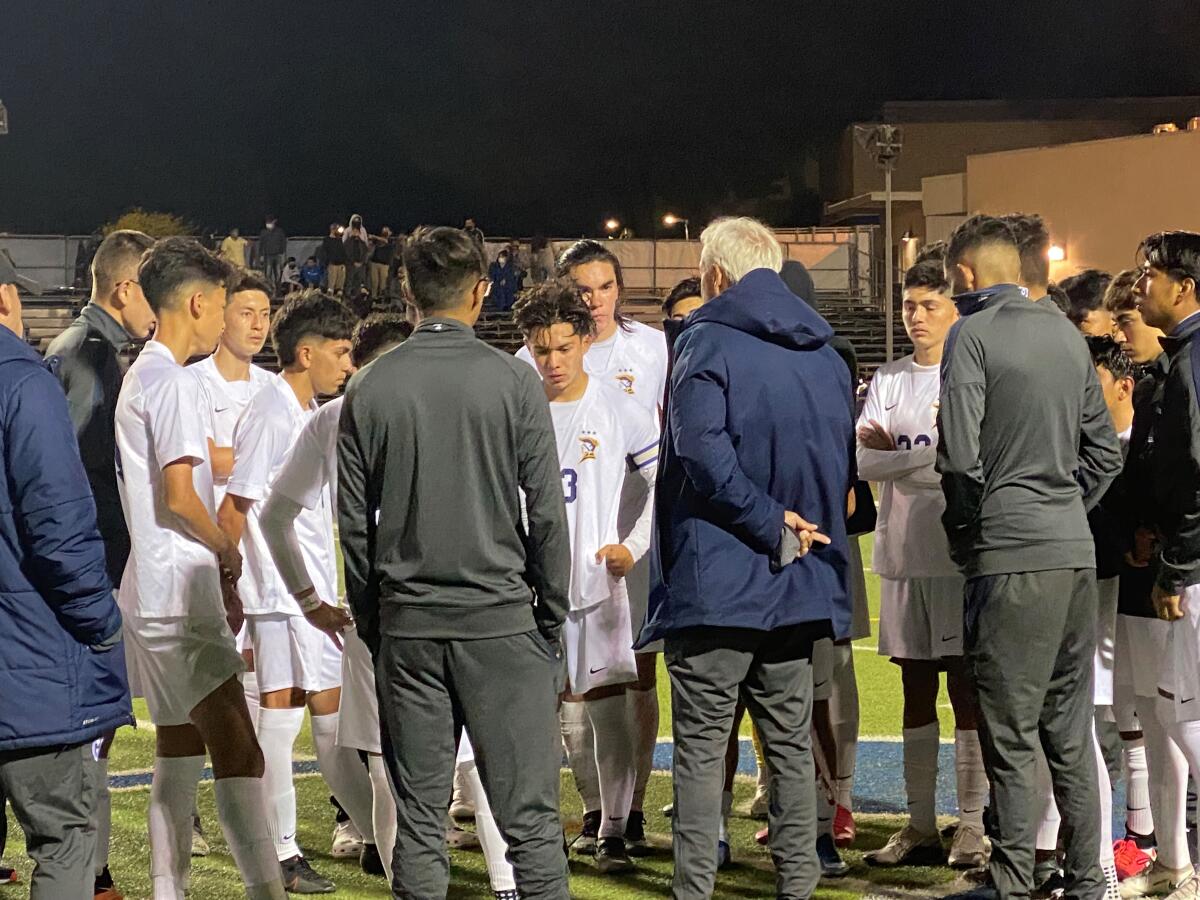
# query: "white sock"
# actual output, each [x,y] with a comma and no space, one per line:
[343,771]
[825,805]
[921,747]
[253,700]
[843,713]
[971,777]
[1168,782]
[495,850]
[1139,818]
[1104,785]
[610,718]
[172,795]
[241,810]
[383,812]
[643,707]
[277,730]
[101,816]
[1187,736]
[726,808]
[1047,836]
[581,752]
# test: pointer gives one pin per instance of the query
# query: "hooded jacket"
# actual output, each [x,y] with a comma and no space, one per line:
[62,666]
[759,420]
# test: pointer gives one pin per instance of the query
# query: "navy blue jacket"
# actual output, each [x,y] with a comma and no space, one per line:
[62,664]
[759,420]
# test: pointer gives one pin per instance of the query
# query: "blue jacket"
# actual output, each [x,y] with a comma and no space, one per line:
[62,664]
[759,420]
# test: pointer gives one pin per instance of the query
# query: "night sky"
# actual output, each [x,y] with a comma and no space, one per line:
[535,116]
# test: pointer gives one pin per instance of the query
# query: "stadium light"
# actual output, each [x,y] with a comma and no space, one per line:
[671,219]
[884,143]
[1057,253]
[612,226]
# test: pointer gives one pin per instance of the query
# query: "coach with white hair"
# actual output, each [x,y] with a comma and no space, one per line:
[749,558]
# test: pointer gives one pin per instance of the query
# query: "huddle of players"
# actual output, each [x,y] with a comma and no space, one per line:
[1138,326]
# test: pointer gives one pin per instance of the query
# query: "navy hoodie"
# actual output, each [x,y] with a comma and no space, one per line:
[759,420]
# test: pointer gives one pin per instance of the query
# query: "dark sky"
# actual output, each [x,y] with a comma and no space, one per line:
[534,116]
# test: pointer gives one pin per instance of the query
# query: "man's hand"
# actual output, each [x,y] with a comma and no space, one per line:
[806,532]
[332,620]
[1145,542]
[229,558]
[617,558]
[1169,607]
[874,436]
[234,614]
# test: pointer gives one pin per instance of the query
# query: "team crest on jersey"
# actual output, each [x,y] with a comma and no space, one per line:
[588,445]
[625,379]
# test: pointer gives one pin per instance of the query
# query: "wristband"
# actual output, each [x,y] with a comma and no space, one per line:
[309,602]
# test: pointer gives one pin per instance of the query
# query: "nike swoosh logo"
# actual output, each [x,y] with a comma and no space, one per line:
[220,408]
[288,837]
[1188,700]
[594,671]
[820,684]
[951,638]
[893,406]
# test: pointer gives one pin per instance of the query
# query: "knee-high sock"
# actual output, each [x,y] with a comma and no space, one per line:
[611,725]
[172,795]
[643,707]
[277,730]
[921,747]
[726,809]
[843,714]
[1168,761]
[344,773]
[253,700]
[495,850]
[383,812]
[971,778]
[1139,818]
[1047,836]
[760,760]
[1104,785]
[241,810]
[581,753]
[101,815]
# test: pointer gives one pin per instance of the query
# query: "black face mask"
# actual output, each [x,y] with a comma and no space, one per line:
[672,329]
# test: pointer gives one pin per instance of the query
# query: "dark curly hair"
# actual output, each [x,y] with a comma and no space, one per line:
[553,303]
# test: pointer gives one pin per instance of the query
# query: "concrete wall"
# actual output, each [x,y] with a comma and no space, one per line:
[1099,198]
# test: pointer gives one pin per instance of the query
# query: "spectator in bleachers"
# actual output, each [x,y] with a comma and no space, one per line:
[384,249]
[332,255]
[272,248]
[473,231]
[311,273]
[290,276]
[233,249]
[505,279]
[358,248]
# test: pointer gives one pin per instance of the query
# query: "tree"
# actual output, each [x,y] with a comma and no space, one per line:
[155,224]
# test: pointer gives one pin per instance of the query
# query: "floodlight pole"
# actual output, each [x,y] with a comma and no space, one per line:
[889,275]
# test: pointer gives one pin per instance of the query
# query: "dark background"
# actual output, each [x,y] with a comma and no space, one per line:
[532,116]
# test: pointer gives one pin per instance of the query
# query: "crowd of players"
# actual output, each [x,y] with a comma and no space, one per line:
[218,537]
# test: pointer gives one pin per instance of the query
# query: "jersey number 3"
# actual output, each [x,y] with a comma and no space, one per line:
[570,485]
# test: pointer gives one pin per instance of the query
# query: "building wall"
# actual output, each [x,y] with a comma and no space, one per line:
[1098,198]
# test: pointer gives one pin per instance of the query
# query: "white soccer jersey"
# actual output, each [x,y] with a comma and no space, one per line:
[162,417]
[909,539]
[229,398]
[634,362]
[600,439]
[264,436]
[311,468]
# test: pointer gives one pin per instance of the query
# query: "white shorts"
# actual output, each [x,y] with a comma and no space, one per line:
[1124,706]
[1181,673]
[599,651]
[290,653]
[1148,652]
[860,616]
[637,584]
[921,618]
[358,713]
[822,669]
[1106,639]
[177,662]
[242,641]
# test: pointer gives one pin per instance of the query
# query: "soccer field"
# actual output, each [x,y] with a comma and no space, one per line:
[751,876]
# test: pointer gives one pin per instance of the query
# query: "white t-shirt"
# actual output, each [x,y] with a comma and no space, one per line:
[909,539]
[601,438]
[264,436]
[311,467]
[163,415]
[634,362]
[229,398]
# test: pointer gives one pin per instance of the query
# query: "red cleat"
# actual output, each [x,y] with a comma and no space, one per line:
[1130,858]
[8,876]
[844,830]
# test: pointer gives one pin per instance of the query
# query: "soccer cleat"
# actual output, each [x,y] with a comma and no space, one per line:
[724,855]
[370,861]
[199,844]
[970,848]
[844,829]
[1130,859]
[611,857]
[1189,890]
[1048,881]
[832,864]
[1156,879]
[347,841]
[759,805]
[507,895]
[908,847]
[585,842]
[299,878]
[8,876]
[104,887]
[460,839]
[635,834]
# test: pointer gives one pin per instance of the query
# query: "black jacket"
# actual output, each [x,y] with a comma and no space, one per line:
[437,440]
[332,251]
[1176,460]
[85,360]
[1137,481]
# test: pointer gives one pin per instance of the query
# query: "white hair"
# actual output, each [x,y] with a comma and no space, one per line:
[739,245]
